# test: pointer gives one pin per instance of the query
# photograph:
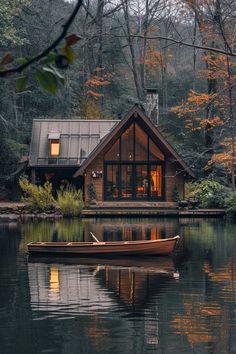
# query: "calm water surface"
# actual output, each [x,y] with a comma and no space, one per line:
[161,305]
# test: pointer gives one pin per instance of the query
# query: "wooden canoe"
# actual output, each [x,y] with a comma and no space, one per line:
[119,248]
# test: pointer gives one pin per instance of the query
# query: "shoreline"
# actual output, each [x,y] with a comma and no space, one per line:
[13,211]
[17,211]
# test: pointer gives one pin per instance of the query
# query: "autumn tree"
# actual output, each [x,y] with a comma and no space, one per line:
[212,111]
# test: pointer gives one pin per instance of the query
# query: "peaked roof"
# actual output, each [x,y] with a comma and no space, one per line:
[136,112]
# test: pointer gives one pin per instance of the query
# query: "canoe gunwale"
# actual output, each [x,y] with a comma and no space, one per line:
[121,248]
[99,244]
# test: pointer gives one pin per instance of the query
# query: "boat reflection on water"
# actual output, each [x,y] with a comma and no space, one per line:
[71,286]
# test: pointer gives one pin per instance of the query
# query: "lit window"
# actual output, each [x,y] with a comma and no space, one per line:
[54,147]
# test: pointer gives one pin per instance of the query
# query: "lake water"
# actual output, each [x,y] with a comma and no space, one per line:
[185,304]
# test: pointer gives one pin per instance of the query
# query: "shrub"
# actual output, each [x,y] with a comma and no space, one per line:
[190,190]
[37,197]
[70,201]
[230,203]
[209,193]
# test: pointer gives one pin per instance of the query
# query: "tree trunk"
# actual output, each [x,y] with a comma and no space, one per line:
[132,50]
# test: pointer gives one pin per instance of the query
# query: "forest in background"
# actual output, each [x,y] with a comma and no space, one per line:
[124,49]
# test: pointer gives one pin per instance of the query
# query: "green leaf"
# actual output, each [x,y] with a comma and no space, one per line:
[22,60]
[50,59]
[47,81]
[21,83]
[69,53]
[54,71]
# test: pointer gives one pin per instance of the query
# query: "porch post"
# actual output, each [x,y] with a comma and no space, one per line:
[33,176]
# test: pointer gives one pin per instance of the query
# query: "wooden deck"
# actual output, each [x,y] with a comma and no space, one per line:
[135,205]
[147,210]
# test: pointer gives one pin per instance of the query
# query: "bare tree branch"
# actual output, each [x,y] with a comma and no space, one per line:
[66,26]
[180,42]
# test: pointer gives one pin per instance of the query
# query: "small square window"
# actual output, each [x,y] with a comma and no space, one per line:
[54,147]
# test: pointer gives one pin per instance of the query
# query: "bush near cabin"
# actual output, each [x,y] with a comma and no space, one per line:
[37,198]
[208,192]
[40,198]
[230,203]
[70,201]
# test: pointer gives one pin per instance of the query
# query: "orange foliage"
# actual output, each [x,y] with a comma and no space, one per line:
[94,94]
[195,102]
[154,58]
[193,110]
[227,157]
[193,322]
[98,80]
[217,68]
[198,319]
[224,276]
[190,110]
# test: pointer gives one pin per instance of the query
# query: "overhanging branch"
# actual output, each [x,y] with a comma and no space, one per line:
[66,26]
[179,42]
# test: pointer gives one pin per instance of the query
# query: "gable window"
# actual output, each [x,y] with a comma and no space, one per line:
[134,167]
[54,147]
[54,144]
[127,144]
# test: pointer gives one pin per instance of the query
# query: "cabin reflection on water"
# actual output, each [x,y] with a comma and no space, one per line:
[72,289]
[104,230]
[119,230]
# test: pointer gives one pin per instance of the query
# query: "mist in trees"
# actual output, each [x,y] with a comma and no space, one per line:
[126,47]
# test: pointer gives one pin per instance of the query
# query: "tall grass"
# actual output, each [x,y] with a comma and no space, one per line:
[70,201]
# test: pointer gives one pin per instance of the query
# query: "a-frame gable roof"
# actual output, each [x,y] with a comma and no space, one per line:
[138,113]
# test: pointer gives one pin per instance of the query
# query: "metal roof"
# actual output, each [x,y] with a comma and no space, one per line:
[78,138]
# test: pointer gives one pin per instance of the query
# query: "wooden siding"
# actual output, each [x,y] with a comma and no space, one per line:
[97,165]
[173,177]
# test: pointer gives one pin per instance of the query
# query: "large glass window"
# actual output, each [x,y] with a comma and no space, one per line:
[154,152]
[127,144]
[127,181]
[156,181]
[114,152]
[112,186]
[141,144]
[134,167]
[141,179]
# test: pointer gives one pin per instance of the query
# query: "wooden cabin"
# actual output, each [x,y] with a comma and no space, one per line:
[126,160]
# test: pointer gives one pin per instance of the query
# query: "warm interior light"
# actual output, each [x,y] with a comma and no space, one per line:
[54,148]
[156,182]
[54,279]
